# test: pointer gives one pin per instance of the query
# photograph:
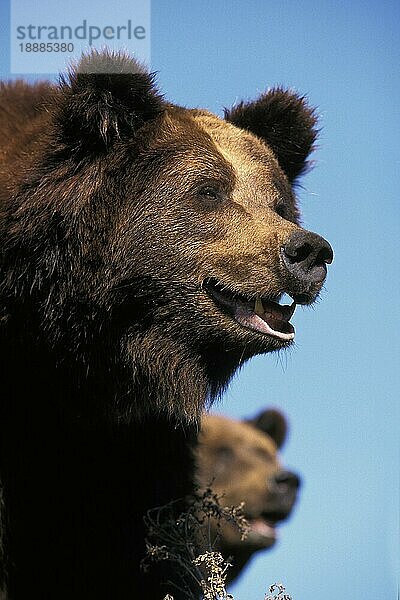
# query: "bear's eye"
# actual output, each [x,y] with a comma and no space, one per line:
[210,193]
[224,453]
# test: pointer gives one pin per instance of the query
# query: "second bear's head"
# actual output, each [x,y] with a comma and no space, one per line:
[239,461]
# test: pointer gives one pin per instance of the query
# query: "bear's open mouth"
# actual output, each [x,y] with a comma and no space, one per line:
[262,529]
[259,314]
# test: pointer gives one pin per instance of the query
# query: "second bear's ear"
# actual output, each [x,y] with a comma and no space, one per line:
[273,423]
[106,97]
[285,122]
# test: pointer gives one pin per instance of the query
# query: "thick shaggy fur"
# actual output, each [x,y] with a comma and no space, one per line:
[115,209]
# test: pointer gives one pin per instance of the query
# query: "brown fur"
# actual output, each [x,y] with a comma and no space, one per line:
[116,210]
[239,460]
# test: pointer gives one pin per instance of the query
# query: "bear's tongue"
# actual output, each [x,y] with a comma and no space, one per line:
[261,315]
[266,317]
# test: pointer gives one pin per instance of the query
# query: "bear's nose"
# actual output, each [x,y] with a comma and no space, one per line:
[287,480]
[305,255]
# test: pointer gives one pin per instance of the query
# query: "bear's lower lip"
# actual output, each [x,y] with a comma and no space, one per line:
[262,529]
[260,314]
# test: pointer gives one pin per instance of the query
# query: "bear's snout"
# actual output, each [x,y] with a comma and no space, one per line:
[305,256]
[286,480]
[283,488]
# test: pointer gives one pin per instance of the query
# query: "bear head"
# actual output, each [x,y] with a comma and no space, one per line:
[146,246]
[239,461]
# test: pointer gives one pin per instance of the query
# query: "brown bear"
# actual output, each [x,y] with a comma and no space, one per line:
[240,462]
[144,251]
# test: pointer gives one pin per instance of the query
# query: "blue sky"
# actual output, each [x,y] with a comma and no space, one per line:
[339,386]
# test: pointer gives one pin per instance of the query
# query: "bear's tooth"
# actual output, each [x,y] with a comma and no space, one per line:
[287,311]
[258,307]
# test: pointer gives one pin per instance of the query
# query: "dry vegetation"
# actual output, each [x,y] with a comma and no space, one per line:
[178,539]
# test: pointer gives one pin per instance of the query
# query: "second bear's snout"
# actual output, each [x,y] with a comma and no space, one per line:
[305,255]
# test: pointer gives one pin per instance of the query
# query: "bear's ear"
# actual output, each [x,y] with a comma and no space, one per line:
[106,97]
[273,423]
[285,122]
